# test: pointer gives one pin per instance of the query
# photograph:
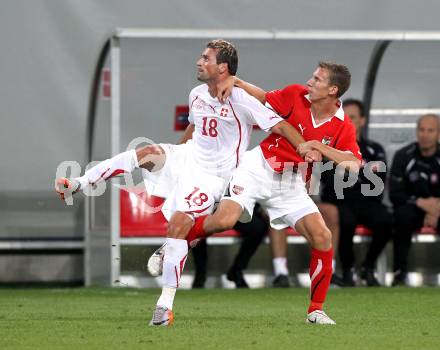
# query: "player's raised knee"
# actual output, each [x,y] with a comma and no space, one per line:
[151,157]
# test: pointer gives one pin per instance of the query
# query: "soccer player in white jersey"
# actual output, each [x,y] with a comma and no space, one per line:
[198,171]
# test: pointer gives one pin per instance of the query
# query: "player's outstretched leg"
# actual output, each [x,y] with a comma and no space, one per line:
[151,158]
[312,227]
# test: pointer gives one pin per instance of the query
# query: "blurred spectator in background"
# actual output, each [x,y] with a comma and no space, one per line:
[355,208]
[252,234]
[278,241]
[415,190]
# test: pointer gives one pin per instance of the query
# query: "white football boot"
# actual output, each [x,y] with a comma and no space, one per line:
[319,317]
[155,262]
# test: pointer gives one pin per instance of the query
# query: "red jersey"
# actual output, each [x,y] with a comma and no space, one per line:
[293,105]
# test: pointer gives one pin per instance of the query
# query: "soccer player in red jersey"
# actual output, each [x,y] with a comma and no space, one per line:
[271,175]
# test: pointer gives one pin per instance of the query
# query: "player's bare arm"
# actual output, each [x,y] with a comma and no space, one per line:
[187,135]
[150,157]
[339,157]
[224,89]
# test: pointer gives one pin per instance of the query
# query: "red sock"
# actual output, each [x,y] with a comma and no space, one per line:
[320,275]
[196,233]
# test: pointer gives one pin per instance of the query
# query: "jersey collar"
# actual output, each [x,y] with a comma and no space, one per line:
[339,113]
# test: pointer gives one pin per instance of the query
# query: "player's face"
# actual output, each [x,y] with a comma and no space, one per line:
[428,133]
[319,85]
[354,113]
[207,67]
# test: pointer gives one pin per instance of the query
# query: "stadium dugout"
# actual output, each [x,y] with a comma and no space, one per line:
[135,57]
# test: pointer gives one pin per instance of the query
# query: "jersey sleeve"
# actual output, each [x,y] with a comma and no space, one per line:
[282,101]
[346,141]
[257,113]
[192,98]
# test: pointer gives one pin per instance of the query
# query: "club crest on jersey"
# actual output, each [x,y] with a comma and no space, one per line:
[434,178]
[326,140]
[224,112]
[237,189]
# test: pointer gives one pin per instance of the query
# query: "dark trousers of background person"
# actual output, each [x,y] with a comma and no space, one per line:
[372,215]
[252,234]
[408,218]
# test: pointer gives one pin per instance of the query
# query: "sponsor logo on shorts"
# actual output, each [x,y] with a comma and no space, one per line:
[237,190]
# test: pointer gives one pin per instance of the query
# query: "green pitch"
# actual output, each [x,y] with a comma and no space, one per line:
[382,318]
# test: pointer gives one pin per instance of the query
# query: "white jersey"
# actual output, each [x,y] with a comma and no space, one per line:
[223,131]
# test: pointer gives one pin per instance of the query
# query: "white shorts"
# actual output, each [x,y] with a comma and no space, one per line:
[284,196]
[161,183]
[185,186]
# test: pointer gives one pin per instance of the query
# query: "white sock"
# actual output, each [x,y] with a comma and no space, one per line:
[124,162]
[176,251]
[167,297]
[280,266]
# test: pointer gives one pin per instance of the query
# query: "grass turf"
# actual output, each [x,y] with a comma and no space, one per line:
[368,318]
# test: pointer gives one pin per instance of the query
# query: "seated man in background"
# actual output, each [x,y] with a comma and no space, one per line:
[415,190]
[355,208]
[252,235]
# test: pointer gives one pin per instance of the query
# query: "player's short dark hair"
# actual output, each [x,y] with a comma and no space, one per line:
[357,103]
[339,76]
[226,53]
